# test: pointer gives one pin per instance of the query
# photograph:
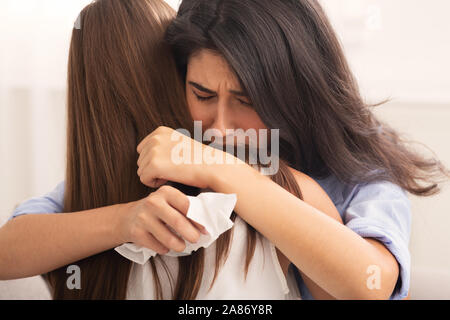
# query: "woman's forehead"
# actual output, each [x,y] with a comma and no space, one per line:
[212,71]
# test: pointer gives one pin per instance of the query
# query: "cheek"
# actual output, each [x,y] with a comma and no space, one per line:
[250,120]
[198,112]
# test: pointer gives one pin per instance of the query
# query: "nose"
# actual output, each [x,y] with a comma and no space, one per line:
[223,119]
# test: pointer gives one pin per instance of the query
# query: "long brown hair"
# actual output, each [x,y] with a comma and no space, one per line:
[123,84]
[290,63]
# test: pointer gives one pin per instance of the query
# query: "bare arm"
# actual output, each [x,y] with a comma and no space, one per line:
[314,195]
[331,255]
[34,244]
[317,197]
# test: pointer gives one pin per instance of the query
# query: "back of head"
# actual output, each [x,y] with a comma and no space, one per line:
[122,84]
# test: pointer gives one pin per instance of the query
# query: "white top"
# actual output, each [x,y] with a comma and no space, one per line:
[265,279]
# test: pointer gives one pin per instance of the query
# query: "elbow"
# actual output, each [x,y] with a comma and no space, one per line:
[377,295]
[381,275]
[387,285]
[4,277]
[8,263]
[379,285]
[3,274]
[370,294]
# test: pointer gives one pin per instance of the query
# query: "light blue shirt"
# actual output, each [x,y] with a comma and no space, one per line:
[378,210]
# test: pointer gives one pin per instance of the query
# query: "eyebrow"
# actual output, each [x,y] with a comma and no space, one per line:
[206,90]
[201,88]
[239,93]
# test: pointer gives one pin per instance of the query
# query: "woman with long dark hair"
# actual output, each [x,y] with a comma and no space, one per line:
[123,84]
[278,65]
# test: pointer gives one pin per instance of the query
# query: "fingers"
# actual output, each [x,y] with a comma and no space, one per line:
[179,201]
[147,172]
[144,142]
[149,241]
[154,234]
[201,228]
[144,159]
[159,130]
[142,156]
[169,206]
[159,182]
[152,183]
[180,224]
[161,232]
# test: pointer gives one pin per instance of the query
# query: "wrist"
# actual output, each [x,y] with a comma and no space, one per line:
[223,177]
[120,212]
[221,168]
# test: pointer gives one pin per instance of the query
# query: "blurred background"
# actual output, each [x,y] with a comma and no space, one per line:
[397,49]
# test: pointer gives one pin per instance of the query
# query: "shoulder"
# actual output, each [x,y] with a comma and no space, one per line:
[382,204]
[345,195]
[315,195]
[51,202]
[379,210]
[311,190]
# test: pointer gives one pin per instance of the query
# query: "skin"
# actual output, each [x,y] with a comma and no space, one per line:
[307,233]
[226,105]
[333,259]
[215,97]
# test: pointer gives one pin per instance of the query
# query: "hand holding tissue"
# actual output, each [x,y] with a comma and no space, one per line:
[210,209]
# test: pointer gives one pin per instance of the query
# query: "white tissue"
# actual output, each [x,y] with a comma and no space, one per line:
[210,209]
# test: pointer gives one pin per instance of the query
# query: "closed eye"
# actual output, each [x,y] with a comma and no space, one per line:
[245,103]
[200,98]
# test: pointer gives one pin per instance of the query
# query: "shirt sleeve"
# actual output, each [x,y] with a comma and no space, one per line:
[52,202]
[382,211]
[378,210]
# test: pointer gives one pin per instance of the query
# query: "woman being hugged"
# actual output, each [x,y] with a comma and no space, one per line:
[122,84]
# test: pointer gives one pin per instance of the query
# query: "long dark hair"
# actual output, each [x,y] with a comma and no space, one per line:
[122,84]
[289,61]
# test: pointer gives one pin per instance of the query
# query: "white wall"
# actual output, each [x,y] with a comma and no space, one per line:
[35,37]
[397,48]
[400,50]
[34,44]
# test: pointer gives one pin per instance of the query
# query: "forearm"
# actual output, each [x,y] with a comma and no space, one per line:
[330,254]
[34,244]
